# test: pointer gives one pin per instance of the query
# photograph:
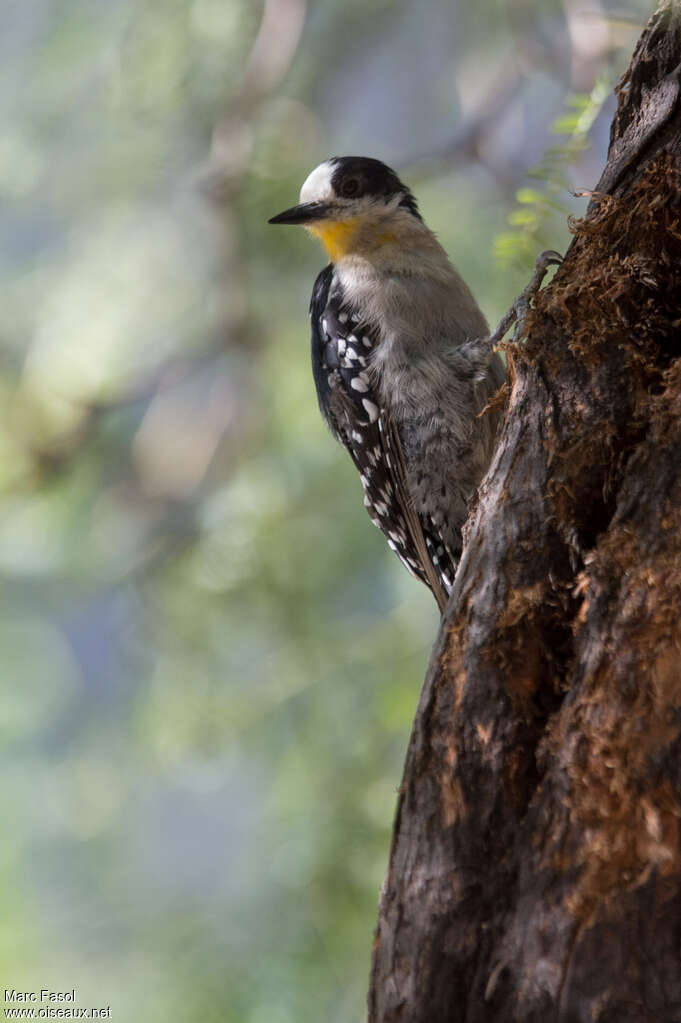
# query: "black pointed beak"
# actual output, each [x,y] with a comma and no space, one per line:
[303,214]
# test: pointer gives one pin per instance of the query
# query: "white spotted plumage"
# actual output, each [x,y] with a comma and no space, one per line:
[371,409]
[352,408]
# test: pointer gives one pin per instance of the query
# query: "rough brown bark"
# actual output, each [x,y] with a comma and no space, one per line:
[535,871]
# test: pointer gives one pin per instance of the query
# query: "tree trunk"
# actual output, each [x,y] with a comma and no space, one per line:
[535,870]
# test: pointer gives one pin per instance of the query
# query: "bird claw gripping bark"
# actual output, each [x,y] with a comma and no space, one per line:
[518,312]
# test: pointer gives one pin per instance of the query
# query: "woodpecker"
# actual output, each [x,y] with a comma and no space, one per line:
[401,361]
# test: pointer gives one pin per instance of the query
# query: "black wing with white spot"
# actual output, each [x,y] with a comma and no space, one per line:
[341,360]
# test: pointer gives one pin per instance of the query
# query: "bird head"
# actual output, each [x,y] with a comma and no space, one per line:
[351,200]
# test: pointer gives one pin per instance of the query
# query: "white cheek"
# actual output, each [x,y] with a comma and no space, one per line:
[317,186]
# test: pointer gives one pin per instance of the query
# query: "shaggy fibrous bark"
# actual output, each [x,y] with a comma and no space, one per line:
[535,871]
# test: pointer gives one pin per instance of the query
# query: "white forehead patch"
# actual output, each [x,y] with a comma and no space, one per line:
[317,185]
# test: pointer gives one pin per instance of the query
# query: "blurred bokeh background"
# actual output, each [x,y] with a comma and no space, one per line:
[210,659]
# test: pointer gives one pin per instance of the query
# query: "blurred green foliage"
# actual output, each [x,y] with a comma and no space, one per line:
[541,210]
[210,659]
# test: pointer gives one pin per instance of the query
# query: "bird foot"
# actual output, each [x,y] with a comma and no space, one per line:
[518,312]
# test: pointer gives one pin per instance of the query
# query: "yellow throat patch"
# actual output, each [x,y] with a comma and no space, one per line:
[336,235]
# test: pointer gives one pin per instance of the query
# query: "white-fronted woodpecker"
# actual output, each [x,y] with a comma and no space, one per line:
[400,361]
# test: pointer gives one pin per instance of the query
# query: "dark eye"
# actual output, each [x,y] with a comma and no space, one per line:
[350,188]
